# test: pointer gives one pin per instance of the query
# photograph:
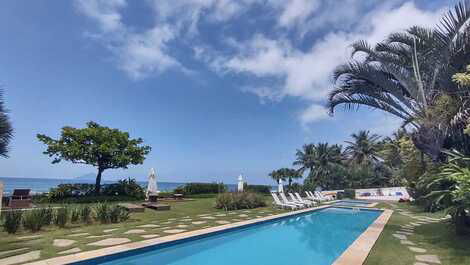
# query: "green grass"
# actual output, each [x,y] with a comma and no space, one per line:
[438,238]
[179,210]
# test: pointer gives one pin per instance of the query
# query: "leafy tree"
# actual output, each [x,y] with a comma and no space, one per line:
[6,130]
[407,74]
[363,149]
[288,174]
[96,145]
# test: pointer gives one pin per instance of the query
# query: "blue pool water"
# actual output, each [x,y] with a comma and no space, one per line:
[316,238]
[351,203]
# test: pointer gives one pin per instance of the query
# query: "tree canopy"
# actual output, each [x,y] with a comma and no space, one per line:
[96,145]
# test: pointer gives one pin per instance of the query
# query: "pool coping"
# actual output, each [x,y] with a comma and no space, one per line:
[369,205]
[117,249]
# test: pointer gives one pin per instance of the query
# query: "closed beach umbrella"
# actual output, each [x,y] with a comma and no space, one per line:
[280,188]
[152,183]
[240,183]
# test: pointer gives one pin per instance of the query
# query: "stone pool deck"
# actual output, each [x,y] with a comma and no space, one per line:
[368,239]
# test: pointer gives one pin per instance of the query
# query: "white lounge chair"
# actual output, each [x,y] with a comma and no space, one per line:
[299,198]
[294,199]
[327,198]
[285,200]
[278,203]
[317,198]
[310,196]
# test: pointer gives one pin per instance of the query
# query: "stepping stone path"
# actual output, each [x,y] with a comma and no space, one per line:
[149,236]
[408,229]
[79,234]
[208,217]
[63,242]
[21,258]
[110,242]
[222,222]
[174,231]
[110,230]
[29,237]
[220,215]
[70,251]
[11,251]
[148,226]
[182,226]
[76,230]
[199,222]
[135,231]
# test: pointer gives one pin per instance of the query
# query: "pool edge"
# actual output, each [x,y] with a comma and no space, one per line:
[358,251]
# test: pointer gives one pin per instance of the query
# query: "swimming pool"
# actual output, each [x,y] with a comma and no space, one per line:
[317,237]
[354,203]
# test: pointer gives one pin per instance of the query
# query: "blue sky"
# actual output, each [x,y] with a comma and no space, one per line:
[218,88]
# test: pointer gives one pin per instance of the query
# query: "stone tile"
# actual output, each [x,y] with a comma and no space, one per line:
[29,237]
[221,215]
[21,258]
[174,231]
[420,263]
[110,242]
[208,217]
[182,226]
[428,258]
[149,236]
[407,242]
[79,234]
[166,223]
[110,230]
[222,222]
[186,220]
[12,251]
[63,242]
[135,231]
[399,236]
[100,236]
[206,214]
[199,222]
[70,251]
[242,215]
[147,226]
[405,233]
[417,250]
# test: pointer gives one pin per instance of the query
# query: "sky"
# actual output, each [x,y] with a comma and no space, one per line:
[217,88]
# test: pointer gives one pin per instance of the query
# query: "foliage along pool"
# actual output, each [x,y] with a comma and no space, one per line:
[317,237]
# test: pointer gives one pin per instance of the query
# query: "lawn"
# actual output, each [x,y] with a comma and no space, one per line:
[183,216]
[437,238]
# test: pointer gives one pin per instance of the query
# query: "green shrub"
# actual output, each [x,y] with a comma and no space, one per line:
[102,213]
[97,199]
[350,193]
[63,191]
[265,189]
[239,200]
[12,221]
[33,220]
[126,187]
[86,214]
[75,215]
[118,214]
[61,217]
[124,215]
[47,215]
[199,188]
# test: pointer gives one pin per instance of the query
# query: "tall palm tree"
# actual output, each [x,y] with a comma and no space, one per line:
[288,174]
[407,74]
[363,150]
[6,130]
[321,160]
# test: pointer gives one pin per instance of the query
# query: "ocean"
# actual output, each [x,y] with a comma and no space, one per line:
[41,185]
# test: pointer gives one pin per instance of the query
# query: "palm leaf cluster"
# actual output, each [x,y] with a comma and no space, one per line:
[6,130]
[407,73]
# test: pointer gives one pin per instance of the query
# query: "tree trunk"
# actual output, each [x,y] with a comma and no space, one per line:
[98,181]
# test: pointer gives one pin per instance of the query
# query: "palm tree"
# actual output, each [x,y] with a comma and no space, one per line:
[363,150]
[6,130]
[288,174]
[407,74]
[321,160]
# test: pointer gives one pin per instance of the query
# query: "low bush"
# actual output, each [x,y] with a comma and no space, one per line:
[12,221]
[102,213]
[33,220]
[47,215]
[265,189]
[64,191]
[200,188]
[61,217]
[239,200]
[126,187]
[75,215]
[86,214]
[106,213]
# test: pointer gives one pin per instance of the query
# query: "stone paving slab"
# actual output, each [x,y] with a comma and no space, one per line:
[199,222]
[70,251]
[407,242]
[147,226]
[110,230]
[2,253]
[399,236]
[110,242]
[63,242]
[174,231]
[417,250]
[428,258]
[79,234]
[149,236]
[29,237]
[30,256]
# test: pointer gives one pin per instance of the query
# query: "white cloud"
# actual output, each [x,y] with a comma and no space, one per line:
[314,113]
[104,12]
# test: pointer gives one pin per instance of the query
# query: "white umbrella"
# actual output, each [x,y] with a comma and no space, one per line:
[240,183]
[280,188]
[152,183]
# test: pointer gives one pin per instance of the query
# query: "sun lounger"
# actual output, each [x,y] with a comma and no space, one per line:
[285,200]
[278,203]
[321,196]
[299,198]
[294,199]
[310,196]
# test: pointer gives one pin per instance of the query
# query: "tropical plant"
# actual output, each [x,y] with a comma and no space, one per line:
[407,74]
[96,145]
[363,149]
[239,200]
[286,174]
[125,187]
[6,130]
[33,220]
[102,213]
[61,217]
[86,214]
[75,215]
[12,221]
